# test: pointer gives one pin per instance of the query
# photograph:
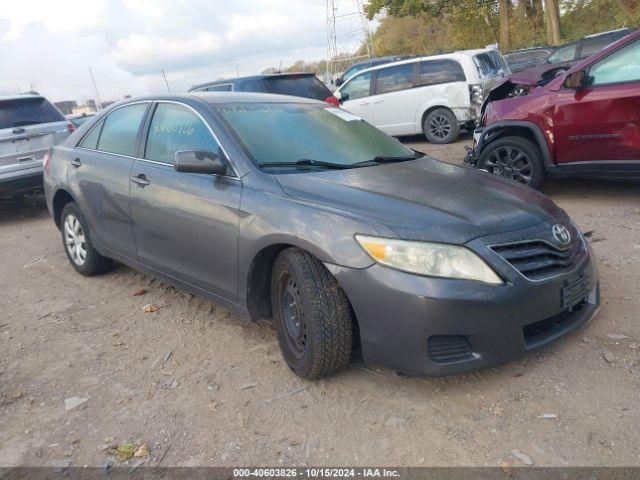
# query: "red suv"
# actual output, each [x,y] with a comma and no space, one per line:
[585,122]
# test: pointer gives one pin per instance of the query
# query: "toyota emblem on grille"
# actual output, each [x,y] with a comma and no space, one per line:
[561,234]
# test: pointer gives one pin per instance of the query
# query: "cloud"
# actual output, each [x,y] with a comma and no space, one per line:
[128,42]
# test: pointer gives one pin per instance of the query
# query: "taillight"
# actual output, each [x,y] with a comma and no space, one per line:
[71,127]
[476,94]
[45,160]
[332,100]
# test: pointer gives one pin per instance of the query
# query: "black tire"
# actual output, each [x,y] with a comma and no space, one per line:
[91,263]
[515,158]
[441,126]
[311,314]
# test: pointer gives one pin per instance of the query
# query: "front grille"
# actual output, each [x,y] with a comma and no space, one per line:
[449,348]
[537,259]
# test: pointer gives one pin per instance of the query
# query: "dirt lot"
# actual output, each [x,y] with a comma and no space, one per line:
[203,387]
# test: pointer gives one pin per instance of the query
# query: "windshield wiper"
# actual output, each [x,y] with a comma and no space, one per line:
[389,159]
[305,162]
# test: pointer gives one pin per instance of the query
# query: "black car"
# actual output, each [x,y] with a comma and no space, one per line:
[282,207]
[527,57]
[305,85]
[374,62]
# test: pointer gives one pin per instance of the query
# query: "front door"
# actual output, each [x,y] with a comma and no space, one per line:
[185,224]
[99,170]
[356,97]
[601,122]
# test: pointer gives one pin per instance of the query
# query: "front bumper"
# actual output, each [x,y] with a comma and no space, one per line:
[406,321]
[472,155]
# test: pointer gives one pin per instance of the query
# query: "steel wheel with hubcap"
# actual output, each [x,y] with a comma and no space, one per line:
[311,314]
[77,243]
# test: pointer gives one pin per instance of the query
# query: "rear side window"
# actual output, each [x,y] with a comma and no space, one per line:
[251,86]
[393,79]
[299,86]
[21,112]
[440,71]
[120,130]
[91,140]
[175,128]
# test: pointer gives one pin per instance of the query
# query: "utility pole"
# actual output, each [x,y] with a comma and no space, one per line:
[95,88]
[346,24]
[165,80]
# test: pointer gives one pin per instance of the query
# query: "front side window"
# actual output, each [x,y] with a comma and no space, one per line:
[174,128]
[251,86]
[289,132]
[225,87]
[621,66]
[564,54]
[357,87]
[120,130]
[433,72]
[393,79]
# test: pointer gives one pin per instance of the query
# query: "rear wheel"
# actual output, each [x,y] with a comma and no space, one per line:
[515,158]
[77,243]
[441,126]
[312,316]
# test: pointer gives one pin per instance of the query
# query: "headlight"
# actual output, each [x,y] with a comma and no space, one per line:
[431,259]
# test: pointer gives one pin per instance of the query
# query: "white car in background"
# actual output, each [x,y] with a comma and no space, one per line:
[435,95]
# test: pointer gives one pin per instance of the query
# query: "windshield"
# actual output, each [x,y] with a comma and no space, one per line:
[490,64]
[289,132]
[20,112]
[298,86]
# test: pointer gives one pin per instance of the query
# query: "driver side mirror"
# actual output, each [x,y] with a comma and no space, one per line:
[197,161]
[339,82]
[576,80]
[342,97]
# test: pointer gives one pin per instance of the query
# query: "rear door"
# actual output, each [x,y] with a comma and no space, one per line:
[356,96]
[601,122]
[395,101]
[99,171]
[185,224]
[29,126]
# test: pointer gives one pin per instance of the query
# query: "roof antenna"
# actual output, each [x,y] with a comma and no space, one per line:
[280,67]
[165,80]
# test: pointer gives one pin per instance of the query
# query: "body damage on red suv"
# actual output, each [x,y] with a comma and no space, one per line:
[584,122]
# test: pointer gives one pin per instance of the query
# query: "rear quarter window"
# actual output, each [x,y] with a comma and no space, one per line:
[21,112]
[490,64]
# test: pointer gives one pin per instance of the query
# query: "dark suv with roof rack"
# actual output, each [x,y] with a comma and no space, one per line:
[305,85]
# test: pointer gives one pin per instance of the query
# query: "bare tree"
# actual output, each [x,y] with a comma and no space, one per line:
[503,6]
[553,21]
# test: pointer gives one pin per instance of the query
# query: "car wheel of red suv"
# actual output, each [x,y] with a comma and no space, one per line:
[514,158]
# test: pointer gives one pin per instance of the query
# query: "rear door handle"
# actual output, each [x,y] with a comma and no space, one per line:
[76,162]
[140,180]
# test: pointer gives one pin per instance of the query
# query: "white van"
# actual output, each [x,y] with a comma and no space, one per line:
[434,95]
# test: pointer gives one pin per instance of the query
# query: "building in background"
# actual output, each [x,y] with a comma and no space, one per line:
[66,106]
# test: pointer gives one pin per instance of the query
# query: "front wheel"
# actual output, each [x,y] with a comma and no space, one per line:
[77,243]
[514,158]
[312,316]
[441,126]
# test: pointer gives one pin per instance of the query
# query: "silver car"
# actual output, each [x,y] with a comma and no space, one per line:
[29,126]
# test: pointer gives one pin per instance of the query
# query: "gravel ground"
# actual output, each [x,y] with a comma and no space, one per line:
[201,386]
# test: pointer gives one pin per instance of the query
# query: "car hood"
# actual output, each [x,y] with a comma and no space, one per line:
[425,199]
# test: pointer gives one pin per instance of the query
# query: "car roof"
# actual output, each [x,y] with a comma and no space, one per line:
[220,98]
[262,76]
[18,97]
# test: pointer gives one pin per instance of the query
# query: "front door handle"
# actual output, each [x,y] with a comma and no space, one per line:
[76,162]
[140,180]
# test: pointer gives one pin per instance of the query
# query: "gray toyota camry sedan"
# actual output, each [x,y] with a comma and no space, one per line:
[291,209]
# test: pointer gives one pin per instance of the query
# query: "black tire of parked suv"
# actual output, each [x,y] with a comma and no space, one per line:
[94,263]
[311,314]
[441,126]
[514,158]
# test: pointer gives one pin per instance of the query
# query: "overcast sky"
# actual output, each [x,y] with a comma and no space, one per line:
[49,44]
